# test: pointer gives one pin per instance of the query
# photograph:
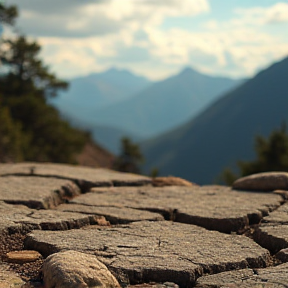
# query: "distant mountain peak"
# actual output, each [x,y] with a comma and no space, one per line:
[189,71]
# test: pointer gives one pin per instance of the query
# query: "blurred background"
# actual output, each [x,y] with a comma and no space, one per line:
[194,88]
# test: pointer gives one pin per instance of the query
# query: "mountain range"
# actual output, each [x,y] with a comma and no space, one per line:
[98,90]
[117,103]
[164,105]
[225,132]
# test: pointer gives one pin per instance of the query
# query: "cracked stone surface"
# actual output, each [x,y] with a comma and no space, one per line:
[84,176]
[64,205]
[9,279]
[271,277]
[156,251]
[36,192]
[22,216]
[273,231]
[115,215]
[213,207]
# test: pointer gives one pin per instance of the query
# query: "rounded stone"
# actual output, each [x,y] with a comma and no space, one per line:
[267,181]
[22,256]
[75,269]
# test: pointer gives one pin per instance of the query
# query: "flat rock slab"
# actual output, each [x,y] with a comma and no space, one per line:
[213,207]
[272,237]
[20,215]
[9,279]
[267,181]
[273,230]
[84,176]
[36,192]
[115,215]
[156,251]
[271,277]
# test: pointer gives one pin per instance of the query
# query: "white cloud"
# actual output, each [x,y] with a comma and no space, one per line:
[90,18]
[99,34]
[277,13]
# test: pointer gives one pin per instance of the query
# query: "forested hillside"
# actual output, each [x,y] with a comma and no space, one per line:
[31,130]
[225,132]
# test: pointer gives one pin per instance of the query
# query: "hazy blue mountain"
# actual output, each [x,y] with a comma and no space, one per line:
[225,132]
[88,93]
[165,104]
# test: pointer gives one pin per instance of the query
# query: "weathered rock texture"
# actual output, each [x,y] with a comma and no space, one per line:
[73,269]
[267,181]
[66,207]
[271,277]
[273,231]
[23,217]
[157,251]
[213,207]
[36,192]
[115,215]
[85,177]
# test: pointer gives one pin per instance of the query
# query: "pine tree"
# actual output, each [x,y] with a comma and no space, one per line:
[130,157]
[271,155]
[25,87]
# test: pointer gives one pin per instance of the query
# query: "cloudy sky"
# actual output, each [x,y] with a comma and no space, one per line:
[157,38]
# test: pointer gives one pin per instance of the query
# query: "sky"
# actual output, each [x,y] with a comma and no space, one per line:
[156,38]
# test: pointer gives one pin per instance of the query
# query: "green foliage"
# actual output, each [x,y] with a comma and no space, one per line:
[272,155]
[154,172]
[8,14]
[130,157]
[26,71]
[11,138]
[32,129]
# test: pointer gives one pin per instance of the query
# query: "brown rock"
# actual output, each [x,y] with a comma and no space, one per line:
[22,256]
[267,181]
[73,269]
[271,277]
[158,251]
[171,181]
[213,207]
[36,192]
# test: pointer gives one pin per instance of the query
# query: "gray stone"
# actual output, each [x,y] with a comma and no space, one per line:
[36,192]
[74,270]
[115,215]
[267,181]
[271,277]
[9,279]
[85,177]
[213,207]
[158,251]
